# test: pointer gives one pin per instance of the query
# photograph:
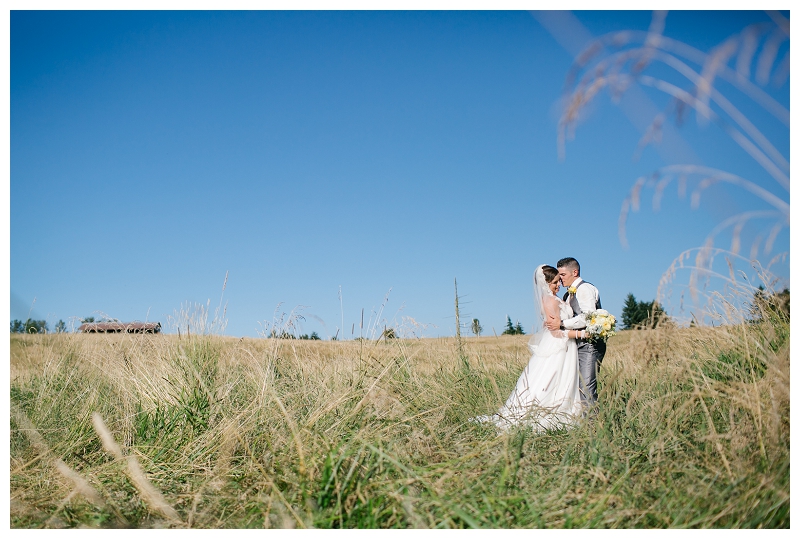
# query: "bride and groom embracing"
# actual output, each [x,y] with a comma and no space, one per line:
[559,384]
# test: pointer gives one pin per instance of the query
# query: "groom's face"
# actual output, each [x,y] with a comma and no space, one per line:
[567,275]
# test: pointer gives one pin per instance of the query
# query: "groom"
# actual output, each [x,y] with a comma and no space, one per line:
[582,297]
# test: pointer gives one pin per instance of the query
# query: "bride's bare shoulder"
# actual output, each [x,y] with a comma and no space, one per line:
[551,303]
[553,300]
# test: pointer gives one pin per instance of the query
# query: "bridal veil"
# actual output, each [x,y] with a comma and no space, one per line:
[540,292]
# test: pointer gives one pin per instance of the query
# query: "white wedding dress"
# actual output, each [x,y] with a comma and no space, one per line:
[547,395]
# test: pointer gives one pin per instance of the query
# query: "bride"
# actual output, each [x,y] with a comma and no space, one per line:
[547,394]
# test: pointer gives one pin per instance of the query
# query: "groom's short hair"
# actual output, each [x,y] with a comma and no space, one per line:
[569,263]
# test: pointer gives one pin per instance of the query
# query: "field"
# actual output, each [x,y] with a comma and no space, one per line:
[217,432]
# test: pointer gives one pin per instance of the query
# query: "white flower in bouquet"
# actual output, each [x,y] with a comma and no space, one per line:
[600,325]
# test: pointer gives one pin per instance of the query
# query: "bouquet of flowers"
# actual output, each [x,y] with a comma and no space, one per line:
[600,325]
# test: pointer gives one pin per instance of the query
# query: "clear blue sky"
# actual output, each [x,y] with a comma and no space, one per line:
[301,152]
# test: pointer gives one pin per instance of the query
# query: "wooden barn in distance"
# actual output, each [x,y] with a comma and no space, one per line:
[120,327]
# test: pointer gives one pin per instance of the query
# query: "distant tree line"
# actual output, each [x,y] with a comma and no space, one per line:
[40,326]
[36,326]
[649,314]
[28,326]
[286,335]
[641,314]
[511,329]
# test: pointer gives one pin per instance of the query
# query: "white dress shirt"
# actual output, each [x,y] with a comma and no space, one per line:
[587,296]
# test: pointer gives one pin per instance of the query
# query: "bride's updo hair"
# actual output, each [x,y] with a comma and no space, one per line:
[550,273]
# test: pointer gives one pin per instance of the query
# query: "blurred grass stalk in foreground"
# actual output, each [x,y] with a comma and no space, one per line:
[747,63]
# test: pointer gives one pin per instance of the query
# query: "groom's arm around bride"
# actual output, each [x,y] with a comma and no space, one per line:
[587,298]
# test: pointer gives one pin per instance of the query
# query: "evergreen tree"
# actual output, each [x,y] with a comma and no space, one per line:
[61,327]
[630,312]
[509,327]
[654,314]
[637,314]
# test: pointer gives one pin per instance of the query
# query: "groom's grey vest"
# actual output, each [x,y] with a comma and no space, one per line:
[573,301]
[590,356]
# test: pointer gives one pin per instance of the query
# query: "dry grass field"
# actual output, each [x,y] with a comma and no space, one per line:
[217,432]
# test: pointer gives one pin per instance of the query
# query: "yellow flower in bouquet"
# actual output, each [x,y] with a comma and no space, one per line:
[600,325]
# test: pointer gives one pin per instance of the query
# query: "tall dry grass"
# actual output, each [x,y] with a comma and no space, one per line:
[693,431]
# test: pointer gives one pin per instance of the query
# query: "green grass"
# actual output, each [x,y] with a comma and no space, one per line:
[692,432]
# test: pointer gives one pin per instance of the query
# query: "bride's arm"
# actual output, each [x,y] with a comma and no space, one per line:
[552,312]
